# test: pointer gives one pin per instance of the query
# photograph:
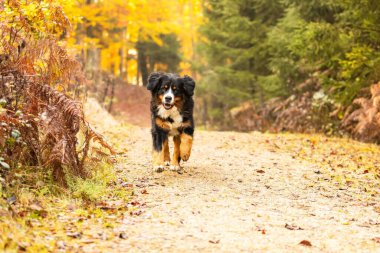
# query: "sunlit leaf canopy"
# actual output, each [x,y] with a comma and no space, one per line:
[117,25]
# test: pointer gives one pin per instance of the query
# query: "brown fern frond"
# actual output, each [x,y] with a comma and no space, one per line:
[36,76]
[364,122]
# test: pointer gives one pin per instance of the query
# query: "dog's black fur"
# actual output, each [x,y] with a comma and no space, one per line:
[163,125]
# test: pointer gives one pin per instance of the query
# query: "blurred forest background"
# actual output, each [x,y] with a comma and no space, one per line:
[282,65]
[293,65]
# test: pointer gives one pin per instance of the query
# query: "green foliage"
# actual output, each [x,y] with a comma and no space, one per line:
[267,49]
[152,56]
[94,187]
[358,68]
[236,32]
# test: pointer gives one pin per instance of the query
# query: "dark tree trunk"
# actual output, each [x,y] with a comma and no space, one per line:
[205,113]
[105,92]
[113,84]
[121,65]
[142,62]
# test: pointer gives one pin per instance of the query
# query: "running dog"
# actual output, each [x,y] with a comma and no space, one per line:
[172,115]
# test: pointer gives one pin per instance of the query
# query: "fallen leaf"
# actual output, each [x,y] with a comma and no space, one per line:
[305,243]
[260,171]
[111,205]
[144,191]
[136,213]
[35,207]
[5,165]
[372,222]
[292,227]
[214,241]
[135,203]
[61,245]
[76,235]
[87,241]
[11,200]
[123,235]
[43,213]
[22,246]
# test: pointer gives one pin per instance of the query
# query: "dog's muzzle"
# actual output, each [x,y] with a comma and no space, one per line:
[168,100]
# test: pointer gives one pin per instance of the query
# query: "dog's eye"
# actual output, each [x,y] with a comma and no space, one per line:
[174,88]
[166,87]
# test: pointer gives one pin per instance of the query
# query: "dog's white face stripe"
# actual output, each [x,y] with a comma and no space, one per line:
[170,94]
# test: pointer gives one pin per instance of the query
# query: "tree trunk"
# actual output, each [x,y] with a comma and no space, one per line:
[113,84]
[92,59]
[105,92]
[142,63]
[205,113]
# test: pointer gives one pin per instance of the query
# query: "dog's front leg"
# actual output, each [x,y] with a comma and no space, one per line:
[186,139]
[166,153]
[174,164]
[160,143]
[185,146]
[165,127]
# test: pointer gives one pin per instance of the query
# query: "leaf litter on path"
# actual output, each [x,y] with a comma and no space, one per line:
[292,227]
[305,243]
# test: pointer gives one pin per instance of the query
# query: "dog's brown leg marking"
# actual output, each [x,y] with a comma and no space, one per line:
[166,153]
[185,147]
[162,124]
[159,157]
[176,152]
[185,124]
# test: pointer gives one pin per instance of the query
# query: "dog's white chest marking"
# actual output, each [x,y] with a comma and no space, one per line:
[174,114]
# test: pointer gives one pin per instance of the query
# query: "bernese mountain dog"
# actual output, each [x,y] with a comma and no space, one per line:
[172,115]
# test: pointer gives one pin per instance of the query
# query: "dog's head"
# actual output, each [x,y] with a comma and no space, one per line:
[170,89]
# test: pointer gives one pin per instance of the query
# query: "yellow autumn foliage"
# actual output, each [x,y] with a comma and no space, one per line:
[115,26]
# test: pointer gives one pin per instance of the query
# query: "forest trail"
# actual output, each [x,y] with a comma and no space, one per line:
[239,195]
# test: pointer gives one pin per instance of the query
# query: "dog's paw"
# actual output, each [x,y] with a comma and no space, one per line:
[185,156]
[175,167]
[158,168]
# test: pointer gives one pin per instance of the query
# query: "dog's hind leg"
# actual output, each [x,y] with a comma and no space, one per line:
[174,165]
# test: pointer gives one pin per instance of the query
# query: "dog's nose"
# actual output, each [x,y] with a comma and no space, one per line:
[168,99]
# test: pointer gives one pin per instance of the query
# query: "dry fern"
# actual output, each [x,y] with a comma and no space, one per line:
[364,122]
[40,124]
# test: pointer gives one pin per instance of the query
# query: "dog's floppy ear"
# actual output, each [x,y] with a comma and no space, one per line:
[188,85]
[154,80]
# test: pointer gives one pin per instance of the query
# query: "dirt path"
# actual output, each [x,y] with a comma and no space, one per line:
[237,196]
